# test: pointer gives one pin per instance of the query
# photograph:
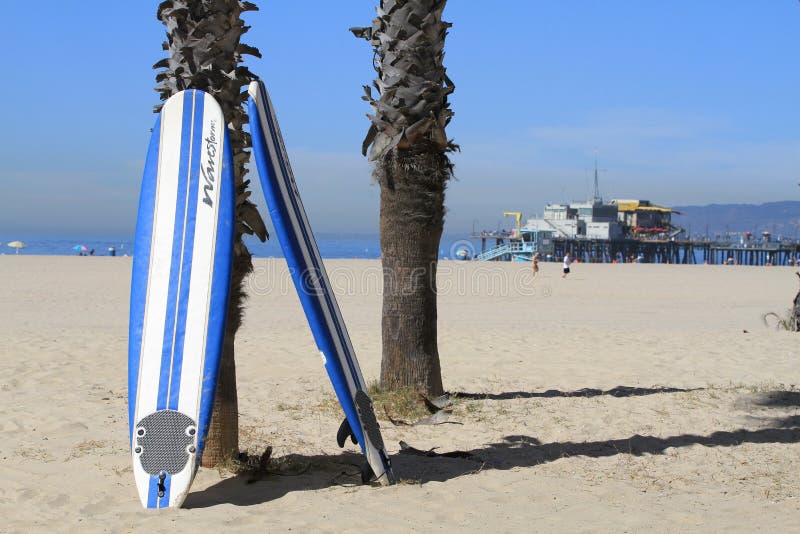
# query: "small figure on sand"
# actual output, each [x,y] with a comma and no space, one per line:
[567,263]
[536,264]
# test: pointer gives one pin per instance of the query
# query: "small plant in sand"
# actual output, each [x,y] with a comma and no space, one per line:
[246,463]
[405,403]
[790,320]
[786,321]
[256,466]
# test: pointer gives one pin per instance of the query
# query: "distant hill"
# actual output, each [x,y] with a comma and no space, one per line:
[778,218]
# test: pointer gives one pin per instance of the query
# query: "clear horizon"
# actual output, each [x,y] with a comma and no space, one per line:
[685,104]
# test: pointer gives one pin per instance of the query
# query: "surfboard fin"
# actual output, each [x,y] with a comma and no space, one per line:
[344,432]
[366,473]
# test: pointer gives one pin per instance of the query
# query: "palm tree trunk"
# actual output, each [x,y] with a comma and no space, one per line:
[222,441]
[411,222]
[408,144]
[205,52]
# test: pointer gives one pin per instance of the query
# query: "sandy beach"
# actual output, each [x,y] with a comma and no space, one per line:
[626,398]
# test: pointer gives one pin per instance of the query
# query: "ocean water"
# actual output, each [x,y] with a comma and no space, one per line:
[330,246]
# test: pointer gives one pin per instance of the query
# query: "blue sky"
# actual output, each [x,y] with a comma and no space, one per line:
[685,102]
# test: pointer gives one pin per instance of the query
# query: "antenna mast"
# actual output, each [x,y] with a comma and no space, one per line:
[597,198]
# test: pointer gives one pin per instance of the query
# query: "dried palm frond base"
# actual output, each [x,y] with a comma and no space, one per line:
[257,466]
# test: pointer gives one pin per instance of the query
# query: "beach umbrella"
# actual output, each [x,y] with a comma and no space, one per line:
[17,245]
[80,248]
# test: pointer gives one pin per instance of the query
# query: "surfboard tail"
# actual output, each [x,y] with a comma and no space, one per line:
[375,451]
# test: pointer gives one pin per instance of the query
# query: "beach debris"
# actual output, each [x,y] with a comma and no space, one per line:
[439,403]
[439,418]
[256,466]
[439,409]
[341,479]
[405,448]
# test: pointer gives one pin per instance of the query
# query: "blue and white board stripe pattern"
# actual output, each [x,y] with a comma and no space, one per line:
[181,274]
[308,272]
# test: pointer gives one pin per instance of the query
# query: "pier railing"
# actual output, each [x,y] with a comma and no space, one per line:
[685,251]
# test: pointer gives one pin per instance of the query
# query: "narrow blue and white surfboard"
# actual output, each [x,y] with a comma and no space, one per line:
[179,294]
[313,287]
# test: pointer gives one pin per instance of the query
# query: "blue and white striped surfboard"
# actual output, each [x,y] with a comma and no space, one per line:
[179,294]
[313,287]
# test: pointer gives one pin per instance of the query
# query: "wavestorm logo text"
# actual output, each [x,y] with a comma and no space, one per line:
[209,169]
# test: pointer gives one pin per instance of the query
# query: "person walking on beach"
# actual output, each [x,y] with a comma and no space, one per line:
[567,263]
[536,264]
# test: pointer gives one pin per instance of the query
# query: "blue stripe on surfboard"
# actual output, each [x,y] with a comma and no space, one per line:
[220,284]
[153,500]
[163,502]
[177,246]
[141,267]
[188,250]
[291,244]
[152,493]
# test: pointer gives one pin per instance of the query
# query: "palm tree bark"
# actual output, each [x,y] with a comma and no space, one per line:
[411,222]
[408,146]
[205,52]
[223,431]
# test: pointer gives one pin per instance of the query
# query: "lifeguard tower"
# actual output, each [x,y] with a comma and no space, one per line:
[518,244]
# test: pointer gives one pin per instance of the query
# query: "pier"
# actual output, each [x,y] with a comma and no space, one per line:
[508,246]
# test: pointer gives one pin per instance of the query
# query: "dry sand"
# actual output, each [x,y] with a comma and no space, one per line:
[627,398]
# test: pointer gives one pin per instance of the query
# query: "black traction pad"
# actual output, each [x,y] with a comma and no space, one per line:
[162,441]
[366,413]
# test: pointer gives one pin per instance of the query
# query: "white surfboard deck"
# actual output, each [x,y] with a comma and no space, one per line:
[179,295]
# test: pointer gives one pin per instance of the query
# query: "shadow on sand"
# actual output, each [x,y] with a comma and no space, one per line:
[514,451]
[527,451]
[777,399]
[311,473]
[619,391]
[760,403]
